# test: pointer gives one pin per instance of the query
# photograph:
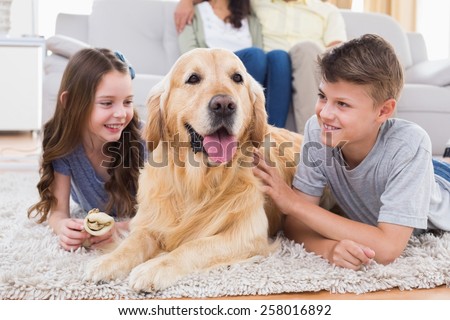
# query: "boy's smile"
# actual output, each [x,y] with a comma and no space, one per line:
[327,127]
[348,117]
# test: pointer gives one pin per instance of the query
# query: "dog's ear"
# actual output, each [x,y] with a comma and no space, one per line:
[260,126]
[153,129]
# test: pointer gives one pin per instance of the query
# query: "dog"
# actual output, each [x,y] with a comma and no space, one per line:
[199,204]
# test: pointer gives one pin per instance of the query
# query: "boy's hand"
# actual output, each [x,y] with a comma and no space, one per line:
[184,12]
[273,185]
[351,255]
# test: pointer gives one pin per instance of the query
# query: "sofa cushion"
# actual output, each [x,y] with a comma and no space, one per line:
[431,72]
[427,106]
[144,32]
[64,46]
[55,63]
[425,98]
[382,25]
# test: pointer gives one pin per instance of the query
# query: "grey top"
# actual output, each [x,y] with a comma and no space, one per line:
[193,35]
[395,183]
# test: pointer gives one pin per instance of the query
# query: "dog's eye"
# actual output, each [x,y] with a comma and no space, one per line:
[193,79]
[237,78]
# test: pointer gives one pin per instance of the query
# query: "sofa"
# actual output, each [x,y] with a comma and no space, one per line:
[144,31]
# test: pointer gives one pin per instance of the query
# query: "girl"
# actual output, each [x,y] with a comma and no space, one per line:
[91,147]
[230,24]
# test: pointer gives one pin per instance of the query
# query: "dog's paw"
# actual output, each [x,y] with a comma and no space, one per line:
[155,274]
[106,268]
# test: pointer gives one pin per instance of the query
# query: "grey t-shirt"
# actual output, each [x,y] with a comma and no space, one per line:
[395,183]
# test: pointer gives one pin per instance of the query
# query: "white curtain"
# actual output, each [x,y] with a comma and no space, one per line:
[343,4]
[404,11]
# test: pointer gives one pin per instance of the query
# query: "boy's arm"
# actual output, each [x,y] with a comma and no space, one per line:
[387,240]
[184,12]
[345,253]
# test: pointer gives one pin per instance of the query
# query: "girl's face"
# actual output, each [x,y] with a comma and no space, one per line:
[112,110]
[348,117]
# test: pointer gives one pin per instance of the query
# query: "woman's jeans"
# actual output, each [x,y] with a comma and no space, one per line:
[273,71]
[442,169]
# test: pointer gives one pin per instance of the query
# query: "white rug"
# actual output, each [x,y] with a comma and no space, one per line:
[32,266]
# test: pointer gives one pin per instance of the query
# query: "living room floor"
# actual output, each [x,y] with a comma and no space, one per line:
[19,151]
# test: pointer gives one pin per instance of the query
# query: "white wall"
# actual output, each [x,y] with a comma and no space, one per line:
[45,12]
[358,5]
[433,21]
[48,10]
[21,18]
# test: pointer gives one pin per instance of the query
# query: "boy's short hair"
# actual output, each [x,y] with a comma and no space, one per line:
[368,60]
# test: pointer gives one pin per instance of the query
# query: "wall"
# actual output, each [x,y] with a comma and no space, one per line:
[433,21]
[23,22]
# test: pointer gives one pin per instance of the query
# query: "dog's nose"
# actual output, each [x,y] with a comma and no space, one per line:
[222,105]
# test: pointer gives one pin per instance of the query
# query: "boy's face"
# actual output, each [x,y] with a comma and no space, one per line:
[347,116]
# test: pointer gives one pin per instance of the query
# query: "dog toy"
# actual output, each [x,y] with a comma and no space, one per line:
[98,223]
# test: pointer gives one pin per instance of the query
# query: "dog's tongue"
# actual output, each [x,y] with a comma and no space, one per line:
[220,146]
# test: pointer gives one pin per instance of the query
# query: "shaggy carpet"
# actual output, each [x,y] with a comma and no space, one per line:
[33,266]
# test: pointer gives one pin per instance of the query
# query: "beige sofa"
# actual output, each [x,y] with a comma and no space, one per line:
[144,31]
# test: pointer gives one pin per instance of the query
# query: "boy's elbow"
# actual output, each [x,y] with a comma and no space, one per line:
[387,257]
[385,260]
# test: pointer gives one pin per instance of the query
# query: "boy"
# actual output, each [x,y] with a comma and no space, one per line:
[379,170]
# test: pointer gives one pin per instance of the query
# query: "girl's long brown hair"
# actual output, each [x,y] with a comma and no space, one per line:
[62,134]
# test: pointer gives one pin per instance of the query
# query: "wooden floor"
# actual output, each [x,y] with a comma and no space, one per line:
[440,293]
[19,152]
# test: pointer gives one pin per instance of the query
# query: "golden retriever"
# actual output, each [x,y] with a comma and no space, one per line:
[199,204]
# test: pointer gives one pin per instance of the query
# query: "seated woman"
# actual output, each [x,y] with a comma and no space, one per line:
[230,24]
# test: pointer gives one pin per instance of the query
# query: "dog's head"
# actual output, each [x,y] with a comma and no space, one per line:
[210,101]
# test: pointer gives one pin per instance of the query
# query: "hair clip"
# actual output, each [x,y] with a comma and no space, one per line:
[122,58]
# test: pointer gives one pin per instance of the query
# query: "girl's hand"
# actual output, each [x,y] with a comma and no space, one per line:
[98,242]
[351,255]
[71,233]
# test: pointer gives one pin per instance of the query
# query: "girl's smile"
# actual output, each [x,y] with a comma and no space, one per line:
[113,109]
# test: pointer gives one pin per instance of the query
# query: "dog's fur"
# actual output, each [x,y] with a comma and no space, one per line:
[193,212]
